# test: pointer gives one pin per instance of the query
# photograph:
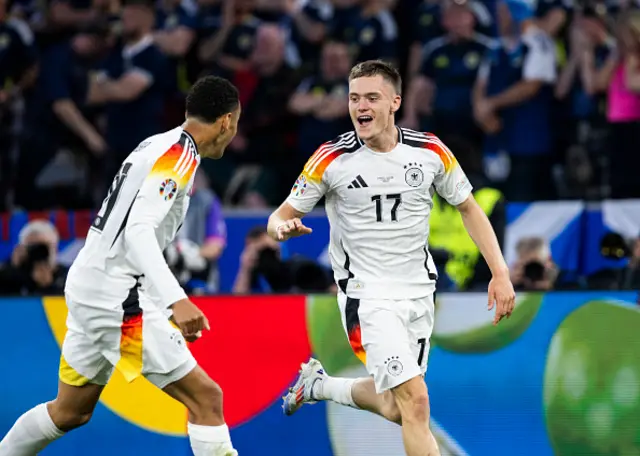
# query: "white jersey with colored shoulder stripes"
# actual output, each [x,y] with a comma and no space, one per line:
[140,216]
[378,205]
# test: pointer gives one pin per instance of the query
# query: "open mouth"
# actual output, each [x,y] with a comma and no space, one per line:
[365,120]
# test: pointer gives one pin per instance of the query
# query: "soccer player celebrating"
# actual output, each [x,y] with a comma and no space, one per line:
[120,290]
[378,181]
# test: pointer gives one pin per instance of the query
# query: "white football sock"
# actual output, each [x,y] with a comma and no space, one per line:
[210,440]
[336,389]
[30,434]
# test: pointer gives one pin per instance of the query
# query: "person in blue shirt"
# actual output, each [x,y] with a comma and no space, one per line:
[426,25]
[174,35]
[18,71]
[311,26]
[370,30]
[226,50]
[321,100]
[442,89]
[513,99]
[132,85]
[57,118]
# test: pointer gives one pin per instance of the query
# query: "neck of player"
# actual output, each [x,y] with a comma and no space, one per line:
[386,141]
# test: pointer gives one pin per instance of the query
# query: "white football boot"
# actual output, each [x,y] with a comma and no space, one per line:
[302,391]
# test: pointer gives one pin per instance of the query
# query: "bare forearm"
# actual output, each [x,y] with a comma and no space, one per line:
[567,76]
[515,94]
[210,48]
[242,284]
[69,114]
[479,228]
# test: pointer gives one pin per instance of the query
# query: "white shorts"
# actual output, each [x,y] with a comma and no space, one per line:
[136,338]
[390,337]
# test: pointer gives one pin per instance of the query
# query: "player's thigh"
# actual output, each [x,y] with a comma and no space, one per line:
[82,374]
[82,361]
[387,349]
[165,358]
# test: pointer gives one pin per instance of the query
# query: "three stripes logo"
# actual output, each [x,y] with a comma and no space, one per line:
[358,182]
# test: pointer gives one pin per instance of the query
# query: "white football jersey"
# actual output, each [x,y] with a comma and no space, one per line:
[139,218]
[378,205]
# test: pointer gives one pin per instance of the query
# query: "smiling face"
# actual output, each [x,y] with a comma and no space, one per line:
[373,102]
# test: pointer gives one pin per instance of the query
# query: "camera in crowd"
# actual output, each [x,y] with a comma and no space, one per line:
[35,253]
[263,256]
[534,268]
[614,247]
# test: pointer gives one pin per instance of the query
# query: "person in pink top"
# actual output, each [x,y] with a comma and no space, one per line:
[621,76]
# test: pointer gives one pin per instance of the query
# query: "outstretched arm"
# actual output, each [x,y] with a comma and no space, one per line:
[479,228]
[285,223]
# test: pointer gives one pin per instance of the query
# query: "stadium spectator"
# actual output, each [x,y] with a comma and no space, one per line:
[18,70]
[174,35]
[513,100]
[264,270]
[427,25]
[630,278]
[584,101]
[621,74]
[132,84]
[61,127]
[205,227]
[370,30]
[552,16]
[534,269]
[439,97]
[34,269]
[266,128]
[321,100]
[227,49]
[311,27]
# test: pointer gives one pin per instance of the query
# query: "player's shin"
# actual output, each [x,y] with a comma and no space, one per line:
[210,440]
[30,434]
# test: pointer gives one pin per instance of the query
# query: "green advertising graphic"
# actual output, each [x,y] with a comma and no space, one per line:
[592,382]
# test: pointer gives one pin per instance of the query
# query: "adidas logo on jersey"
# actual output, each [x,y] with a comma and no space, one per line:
[358,182]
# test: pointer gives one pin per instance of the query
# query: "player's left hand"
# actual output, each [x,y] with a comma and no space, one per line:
[502,296]
[291,228]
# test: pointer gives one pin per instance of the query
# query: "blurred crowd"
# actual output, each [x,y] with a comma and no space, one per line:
[543,98]
[538,100]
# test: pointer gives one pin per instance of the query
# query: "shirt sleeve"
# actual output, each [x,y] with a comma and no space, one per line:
[540,62]
[167,180]
[450,182]
[312,184]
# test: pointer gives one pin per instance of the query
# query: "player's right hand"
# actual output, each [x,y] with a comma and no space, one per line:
[291,228]
[189,318]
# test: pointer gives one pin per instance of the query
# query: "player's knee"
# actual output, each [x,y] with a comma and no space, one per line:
[67,419]
[413,401]
[208,401]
